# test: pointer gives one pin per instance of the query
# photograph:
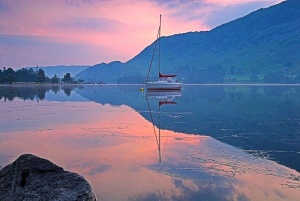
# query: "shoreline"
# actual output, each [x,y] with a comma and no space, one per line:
[141,84]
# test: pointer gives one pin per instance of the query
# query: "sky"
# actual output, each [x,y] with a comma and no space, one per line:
[88,32]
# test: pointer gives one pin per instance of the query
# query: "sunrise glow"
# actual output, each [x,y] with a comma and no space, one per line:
[90,32]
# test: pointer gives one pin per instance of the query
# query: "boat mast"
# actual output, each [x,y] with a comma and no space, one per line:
[159,33]
[155,43]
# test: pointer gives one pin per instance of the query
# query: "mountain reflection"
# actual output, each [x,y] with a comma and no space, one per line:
[261,120]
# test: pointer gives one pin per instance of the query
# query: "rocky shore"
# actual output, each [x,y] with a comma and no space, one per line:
[34,178]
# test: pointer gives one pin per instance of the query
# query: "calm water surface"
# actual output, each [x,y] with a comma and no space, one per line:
[205,143]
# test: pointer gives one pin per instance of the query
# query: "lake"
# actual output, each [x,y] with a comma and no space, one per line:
[207,142]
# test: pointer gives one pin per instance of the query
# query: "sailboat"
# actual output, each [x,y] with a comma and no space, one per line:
[165,82]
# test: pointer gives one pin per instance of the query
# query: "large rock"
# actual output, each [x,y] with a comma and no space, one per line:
[33,178]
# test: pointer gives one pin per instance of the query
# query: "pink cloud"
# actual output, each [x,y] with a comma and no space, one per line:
[235,2]
[114,30]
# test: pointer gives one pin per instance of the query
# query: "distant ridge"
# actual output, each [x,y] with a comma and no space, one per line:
[61,70]
[250,49]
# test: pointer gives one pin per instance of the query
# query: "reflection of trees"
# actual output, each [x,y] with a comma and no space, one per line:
[32,92]
[253,90]
[213,94]
[67,90]
[277,91]
[41,93]
[55,88]
[10,95]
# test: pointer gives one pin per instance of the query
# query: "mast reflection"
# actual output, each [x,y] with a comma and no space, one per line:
[164,98]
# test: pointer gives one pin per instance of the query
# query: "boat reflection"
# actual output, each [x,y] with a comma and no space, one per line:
[164,98]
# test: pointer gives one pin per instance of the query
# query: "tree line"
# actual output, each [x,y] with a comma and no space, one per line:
[9,76]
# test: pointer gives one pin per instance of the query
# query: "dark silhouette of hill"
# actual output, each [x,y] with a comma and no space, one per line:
[249,48]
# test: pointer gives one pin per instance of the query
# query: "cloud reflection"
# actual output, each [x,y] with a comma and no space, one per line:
[115,149]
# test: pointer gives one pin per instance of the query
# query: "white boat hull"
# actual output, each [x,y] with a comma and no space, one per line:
[163,86]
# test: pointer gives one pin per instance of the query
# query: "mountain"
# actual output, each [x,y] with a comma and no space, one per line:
[60,71]
[250,48]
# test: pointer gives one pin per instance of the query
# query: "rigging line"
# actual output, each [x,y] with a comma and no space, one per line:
[159,152]
[152,56]
[159,128]
[164,144]
[152,123]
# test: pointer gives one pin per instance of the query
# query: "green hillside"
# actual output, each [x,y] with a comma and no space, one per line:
[263,46]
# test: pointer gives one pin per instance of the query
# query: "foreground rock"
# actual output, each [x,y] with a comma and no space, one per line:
[33,178]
